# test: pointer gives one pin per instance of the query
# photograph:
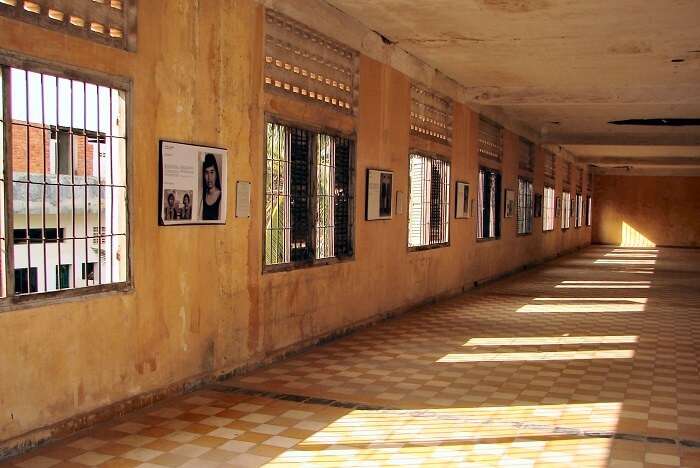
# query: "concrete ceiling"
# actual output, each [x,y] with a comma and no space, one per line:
[564,68]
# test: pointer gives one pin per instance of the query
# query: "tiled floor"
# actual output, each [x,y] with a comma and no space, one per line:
[591,360]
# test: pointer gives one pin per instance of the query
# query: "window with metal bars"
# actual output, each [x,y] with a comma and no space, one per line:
[428,201]
[488,221]
[565,210]
[589,210]
[490,140]
[548,209]
[109,22]
[525,213]
[309,196]
[578,215]
[65,200]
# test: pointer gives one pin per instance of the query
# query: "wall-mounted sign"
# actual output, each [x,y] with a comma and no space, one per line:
[379,194]
[192,184]
[462,201]
[242,199]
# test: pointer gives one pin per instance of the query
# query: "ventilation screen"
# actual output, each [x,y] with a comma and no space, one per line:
[526,155]
[490,140]
[431,115]
[302,63]
[550,166]
[110,22]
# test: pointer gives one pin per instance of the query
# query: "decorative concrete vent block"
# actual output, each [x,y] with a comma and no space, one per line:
[109,22]
[431,115]
[490,140]
[550,166]
[526,155]
[307,65]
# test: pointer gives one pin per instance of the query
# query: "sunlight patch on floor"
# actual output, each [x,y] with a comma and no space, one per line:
[551,340]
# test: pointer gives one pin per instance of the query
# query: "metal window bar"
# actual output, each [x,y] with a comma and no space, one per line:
[489,203]
[109,22]
[52,116]
[277,193]
[428,201]
[344,198]
[325,196]
[589,211]
[548,210]
[525,208]
[566,210]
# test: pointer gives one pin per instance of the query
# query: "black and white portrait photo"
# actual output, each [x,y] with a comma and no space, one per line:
[380,192]
[192,184]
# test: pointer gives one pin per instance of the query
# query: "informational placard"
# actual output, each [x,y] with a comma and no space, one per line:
[462,201]
[509,208]
[399,202]
[242,199]
[379,194]
[192,184]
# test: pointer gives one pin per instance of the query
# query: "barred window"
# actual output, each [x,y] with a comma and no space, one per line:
[490,140]
[548,209]
[526,155]
[431,115]
[304,64]
[488,222]
[565,210]
[525,213]
[308,196]
[550,166]
[109,22]
[589,210]
[578,216]
[65,142]
[429,201]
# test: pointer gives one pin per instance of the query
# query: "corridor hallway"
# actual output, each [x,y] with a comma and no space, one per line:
[589,360]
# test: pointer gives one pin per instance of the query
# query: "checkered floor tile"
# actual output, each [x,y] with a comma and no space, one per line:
[590,360]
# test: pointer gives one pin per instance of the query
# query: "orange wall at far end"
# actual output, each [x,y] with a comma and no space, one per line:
[665,210]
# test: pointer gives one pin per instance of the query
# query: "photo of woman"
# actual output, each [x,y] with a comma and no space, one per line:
[192,184]
[211,188]
[186,210]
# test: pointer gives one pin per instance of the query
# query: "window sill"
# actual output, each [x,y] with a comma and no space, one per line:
[306,264]
[523,234]
[420,248]
[36,300]
[489,239]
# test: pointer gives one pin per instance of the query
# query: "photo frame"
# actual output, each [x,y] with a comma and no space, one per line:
[380,189]
[192,185]
[557,207]
[462,200]
[537,206]
[509,206]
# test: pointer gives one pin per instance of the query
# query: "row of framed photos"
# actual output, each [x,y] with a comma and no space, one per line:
[380,199]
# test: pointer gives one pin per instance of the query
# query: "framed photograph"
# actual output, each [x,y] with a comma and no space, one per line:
[509,210]
[379,194]
[537,207]
[462,201]
[557,207]
[192,188]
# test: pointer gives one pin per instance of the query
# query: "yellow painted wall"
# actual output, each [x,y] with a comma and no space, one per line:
[200,304]
[647,211]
